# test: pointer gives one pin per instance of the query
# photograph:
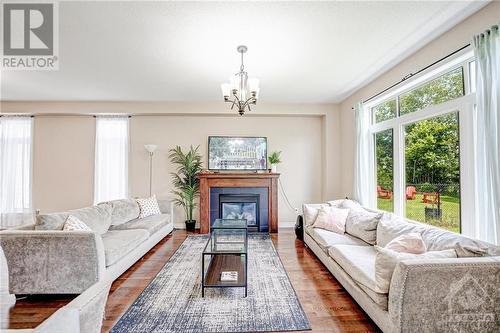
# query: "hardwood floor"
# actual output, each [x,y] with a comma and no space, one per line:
[327,305]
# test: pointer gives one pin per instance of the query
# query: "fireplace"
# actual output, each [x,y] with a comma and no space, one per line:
[240,206]
[248,203]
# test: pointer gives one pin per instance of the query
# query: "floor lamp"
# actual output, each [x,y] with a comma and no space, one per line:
[150,148]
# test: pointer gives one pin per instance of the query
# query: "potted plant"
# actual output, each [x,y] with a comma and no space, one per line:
[186,181]
[274,159]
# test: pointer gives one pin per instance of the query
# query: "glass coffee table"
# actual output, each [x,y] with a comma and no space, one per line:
[224,261]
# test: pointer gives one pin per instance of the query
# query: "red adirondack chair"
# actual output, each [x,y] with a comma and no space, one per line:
[411,192]
[383,193]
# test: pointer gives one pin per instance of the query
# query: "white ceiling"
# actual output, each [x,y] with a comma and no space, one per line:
[181,51]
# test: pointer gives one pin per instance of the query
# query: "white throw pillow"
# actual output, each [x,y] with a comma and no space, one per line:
[148,207]
[73,223]
[408,243]
[331,219]
[352,205]
[310,212]
[386,261]
[336,203]
[363,224]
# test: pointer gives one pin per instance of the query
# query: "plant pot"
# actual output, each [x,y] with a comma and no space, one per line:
[190,225]
[274,168]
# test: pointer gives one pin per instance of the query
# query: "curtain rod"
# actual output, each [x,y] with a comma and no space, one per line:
[413,74]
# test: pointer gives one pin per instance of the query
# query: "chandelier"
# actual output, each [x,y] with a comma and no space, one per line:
[241,92]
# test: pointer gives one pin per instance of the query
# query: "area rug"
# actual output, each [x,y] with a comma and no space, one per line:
[172,302]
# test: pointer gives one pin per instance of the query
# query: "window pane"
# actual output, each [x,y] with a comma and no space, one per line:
[472,76]
[433,171]
[442,89]
[111,159]
[385,161]
[384,111]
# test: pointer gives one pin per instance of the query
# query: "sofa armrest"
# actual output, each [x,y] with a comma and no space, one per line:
[167,207]
[52,262]
[437,295]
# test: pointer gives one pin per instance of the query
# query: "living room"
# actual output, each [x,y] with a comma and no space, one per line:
[345,178]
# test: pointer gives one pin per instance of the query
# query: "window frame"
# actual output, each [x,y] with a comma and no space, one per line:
[463,105]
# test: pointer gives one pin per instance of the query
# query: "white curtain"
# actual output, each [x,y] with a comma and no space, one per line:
[111,159]
[16,170]
[487,52]
[364,164]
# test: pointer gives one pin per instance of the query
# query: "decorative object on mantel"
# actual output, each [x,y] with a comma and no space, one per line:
[151,149]
[274,160]
[241,91]
[186,181]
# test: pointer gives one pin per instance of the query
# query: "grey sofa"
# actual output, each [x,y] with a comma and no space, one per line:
[425,295]
[82,315]
[47,260]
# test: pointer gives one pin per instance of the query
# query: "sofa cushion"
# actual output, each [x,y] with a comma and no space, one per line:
[326,238]
[438,239]
[151,223]
[391,226]
[357,261]
[363,224]
[97,218]
[386,261]
[123,210]
[118,243]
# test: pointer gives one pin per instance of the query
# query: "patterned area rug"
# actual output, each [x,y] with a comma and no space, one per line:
[172,302]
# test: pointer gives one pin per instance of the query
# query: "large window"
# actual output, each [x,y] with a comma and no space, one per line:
[423,153]
[15,170]
[111,159]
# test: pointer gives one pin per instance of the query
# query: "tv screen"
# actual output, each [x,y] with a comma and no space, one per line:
[237,153]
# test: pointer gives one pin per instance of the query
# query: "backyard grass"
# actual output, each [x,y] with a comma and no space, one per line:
[415,210]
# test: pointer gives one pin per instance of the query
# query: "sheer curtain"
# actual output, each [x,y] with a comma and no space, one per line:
[364,164]
[16,170]
[111,159]
[487,52]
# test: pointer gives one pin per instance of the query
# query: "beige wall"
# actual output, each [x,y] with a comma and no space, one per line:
[299,139]
[63,162]
[307,134]
[450,41]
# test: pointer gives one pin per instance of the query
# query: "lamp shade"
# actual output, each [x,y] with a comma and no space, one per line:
[150,147]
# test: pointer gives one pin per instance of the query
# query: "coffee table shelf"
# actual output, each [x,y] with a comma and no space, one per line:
[225,251]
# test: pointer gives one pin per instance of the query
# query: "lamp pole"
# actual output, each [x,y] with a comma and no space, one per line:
[150,148]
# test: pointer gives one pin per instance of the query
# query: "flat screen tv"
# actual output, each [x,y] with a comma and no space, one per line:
[237,153]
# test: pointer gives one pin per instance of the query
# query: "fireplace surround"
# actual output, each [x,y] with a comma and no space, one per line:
[245,186]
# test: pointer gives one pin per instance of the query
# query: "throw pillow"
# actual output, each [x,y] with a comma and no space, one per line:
[352,205]
[336,203]
[464,251]
[311,211]
[391,226]
[148,207]
[331,219]
[408,243]
[363,224]
[73,223]
[386,261]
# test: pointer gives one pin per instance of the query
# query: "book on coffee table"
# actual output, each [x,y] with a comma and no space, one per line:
[230,276]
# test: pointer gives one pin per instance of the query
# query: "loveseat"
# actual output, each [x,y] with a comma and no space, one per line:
[424,295]
[43,259]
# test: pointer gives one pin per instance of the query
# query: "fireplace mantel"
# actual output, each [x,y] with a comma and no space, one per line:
[238,179]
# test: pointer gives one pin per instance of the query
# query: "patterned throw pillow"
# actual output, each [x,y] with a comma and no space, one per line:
[148,207]
[73,223]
